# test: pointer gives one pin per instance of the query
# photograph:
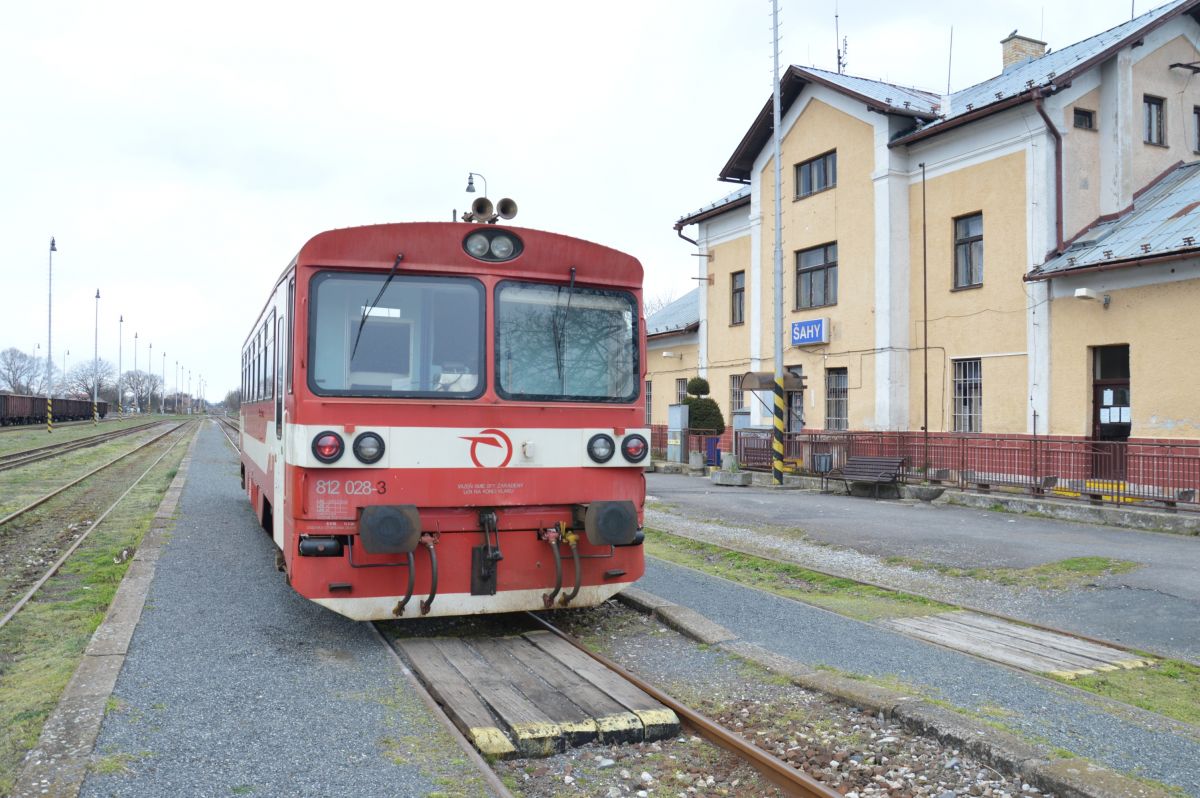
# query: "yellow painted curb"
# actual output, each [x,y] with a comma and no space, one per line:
[491,741]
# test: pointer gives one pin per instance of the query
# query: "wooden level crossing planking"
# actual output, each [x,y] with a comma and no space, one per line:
[1018,646]
[533,695]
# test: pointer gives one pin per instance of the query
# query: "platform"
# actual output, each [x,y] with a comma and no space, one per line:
[533,694]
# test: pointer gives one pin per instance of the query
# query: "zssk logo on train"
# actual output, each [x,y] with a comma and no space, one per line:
[494,446]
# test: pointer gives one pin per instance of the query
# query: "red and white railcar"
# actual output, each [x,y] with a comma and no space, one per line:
[447,419]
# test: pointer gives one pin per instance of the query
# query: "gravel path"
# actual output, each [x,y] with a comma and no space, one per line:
[1033,707]
[235,685]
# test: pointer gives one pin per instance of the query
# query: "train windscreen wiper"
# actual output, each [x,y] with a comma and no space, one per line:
[367,310]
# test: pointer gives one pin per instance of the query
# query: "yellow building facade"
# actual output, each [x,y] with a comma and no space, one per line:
[1017,258]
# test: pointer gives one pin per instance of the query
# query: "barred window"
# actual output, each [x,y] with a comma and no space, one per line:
[737,399]
[968,251]
[680,390]
[837,399]
[649,401]
[817,276]
[968,395]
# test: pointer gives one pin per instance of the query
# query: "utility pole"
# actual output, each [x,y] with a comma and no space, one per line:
[777,328]
[49,332]
[96,363]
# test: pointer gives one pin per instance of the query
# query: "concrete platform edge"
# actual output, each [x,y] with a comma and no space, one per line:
[59,763]
[1067,778]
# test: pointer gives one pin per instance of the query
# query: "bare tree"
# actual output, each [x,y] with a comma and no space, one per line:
[21,373]
[233,400]
[653,304]
[82,377]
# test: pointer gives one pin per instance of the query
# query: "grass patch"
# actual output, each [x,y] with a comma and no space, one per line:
[844,596]
[1059,575]
[41,647]
[1170,688]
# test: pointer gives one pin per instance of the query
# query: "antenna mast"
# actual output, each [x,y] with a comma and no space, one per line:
[838,41]
[950,60]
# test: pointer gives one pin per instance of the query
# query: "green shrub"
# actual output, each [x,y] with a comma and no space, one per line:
[697,386]
[704,414]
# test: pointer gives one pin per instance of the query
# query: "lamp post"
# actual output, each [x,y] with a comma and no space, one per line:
[49,331]
[162,404]
[120,373]
[471,183]
[189,392]
[66,354]
[96,363]
[176,387]
[149,384]
[925,319]
[136,404]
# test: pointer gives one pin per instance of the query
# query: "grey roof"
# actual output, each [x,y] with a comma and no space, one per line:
[896,98]
[731,199]
[1042,72]
[677,316]
[1164,221]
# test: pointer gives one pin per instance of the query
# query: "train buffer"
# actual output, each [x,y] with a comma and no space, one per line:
[533,694]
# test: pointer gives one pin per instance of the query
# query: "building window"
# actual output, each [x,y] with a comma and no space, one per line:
[1196,128]
[816,175]
[737,298]
[968,251]
[649,401]
[680,390]
[816,277]
[737,399]
[968,395]
[837,399]
[1154,112]
[1084,119]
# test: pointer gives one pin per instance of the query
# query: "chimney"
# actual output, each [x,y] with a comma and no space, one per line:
[1019,49]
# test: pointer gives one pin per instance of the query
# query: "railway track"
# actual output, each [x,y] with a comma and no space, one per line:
[57,424]
[20,580]
[18,459]
[789,779]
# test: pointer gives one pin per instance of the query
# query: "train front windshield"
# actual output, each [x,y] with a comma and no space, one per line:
[565,343]
[412,336]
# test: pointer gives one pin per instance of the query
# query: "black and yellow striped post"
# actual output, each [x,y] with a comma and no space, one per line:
[95,414]
[777,442]
[49,414]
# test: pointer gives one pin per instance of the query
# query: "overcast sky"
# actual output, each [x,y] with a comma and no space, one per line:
[182,153]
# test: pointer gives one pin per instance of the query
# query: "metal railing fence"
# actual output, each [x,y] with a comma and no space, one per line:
[1166,474]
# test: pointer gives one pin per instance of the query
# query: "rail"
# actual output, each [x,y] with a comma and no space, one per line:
[1135,473]
[792,781]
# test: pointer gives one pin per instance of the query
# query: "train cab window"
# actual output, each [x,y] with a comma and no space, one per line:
[422,336]
[563,343]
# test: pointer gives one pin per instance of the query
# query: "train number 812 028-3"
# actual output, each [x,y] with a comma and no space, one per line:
[350,487]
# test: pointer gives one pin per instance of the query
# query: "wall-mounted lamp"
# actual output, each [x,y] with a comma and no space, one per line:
[795,371]
[672,354]
[1088,293]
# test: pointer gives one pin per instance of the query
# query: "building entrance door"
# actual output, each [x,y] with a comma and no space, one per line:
[1111,420]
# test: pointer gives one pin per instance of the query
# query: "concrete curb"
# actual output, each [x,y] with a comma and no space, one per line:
[59,763]
[1066,778]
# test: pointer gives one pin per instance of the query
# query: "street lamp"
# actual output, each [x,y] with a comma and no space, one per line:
[66,354]
[162,402]
[136,405]
[96,363]
[176,387]
[471,183]
[149,383]
[120,373]
[49,330]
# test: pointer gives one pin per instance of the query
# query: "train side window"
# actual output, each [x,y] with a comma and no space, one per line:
[291,330]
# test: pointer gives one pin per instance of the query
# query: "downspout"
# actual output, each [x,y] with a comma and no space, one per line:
[1058,171]
[679,232]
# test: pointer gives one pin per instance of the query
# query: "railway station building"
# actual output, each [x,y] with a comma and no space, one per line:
[1028,248]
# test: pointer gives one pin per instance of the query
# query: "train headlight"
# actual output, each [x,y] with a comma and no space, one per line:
[492,244]
[634,447]
[601,448]
[368,447]
[502,247]
[328,446]
[478,245]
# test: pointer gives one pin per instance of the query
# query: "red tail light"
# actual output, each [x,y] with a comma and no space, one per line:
[634,447]
[327,446]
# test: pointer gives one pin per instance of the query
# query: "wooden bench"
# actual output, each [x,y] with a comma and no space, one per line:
[872,470]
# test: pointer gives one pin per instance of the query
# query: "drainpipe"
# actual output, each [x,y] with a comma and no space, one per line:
[679,232]
[1058,171]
